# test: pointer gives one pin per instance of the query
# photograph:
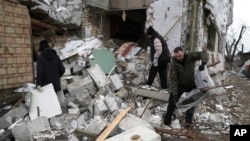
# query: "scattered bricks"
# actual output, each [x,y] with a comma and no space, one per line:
[81,85]
[111,103]
[116,82]
[100,107]
[24,132]
[96,125]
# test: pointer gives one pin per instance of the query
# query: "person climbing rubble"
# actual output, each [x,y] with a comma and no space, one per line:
[160,56]
[49,69]
[182,80]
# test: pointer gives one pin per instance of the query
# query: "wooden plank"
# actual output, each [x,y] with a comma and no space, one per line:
[113,124]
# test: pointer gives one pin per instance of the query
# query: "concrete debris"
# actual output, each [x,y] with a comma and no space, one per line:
[94,97]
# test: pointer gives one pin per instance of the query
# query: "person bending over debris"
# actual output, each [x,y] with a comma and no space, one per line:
[160,56]
[182,80]
[49,69]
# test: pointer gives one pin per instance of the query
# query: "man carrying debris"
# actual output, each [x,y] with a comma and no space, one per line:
[49,69]
[182,80]
[160,56]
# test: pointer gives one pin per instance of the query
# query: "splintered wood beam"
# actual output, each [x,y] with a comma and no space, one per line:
[113,124]
[46,26]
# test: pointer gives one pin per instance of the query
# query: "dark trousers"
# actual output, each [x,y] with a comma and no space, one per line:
[171,105]
[162,69]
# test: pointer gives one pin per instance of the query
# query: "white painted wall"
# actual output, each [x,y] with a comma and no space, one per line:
[162,15]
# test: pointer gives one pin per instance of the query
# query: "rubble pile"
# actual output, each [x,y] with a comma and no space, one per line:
[99,84]
[62,11]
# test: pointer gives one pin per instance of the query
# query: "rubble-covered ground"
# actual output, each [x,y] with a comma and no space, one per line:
[95,97]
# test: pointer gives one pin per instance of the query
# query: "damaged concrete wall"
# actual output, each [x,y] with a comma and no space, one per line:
[15,45]
[182,22]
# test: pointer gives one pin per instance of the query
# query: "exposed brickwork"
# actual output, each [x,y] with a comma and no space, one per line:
[15,46]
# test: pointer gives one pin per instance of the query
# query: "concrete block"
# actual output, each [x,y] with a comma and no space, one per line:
[62,2]
[151,94]
[6,122]
[24,132]
[76,20]
[139,79]
[140,67]
[77,69]
[59,17]
[83,99]
[68,122]
[100,108]
[116,82]
[81,85]
[66,15]
[74,2]
[111,103]
[98,76]
[74,111]
[154,120]
[72,105]
[18,112]
[70,7]
[102,91]
[96,125]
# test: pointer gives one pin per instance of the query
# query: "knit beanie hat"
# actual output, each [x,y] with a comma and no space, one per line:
[150,30]
[43,45]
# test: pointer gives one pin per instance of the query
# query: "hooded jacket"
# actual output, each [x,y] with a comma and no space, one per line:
[49,69]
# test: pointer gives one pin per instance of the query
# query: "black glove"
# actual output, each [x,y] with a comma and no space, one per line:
[202,66]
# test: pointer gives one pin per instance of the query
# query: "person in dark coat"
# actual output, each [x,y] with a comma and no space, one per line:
[160,56]
[49,68]
[182,80]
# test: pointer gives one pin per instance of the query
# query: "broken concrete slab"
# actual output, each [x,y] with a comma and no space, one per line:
[83,84]
[151,94]
[42,101]
[100,108]
[18,112]
[73,110]
[6,122]
[116,82]
[98,76]
[96,125]
[111,103]
[68,122]
[24,132]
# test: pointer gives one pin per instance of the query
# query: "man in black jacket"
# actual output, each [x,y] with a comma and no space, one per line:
[49,69]
[160,56]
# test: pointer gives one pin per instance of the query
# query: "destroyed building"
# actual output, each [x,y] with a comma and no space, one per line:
[113,33]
